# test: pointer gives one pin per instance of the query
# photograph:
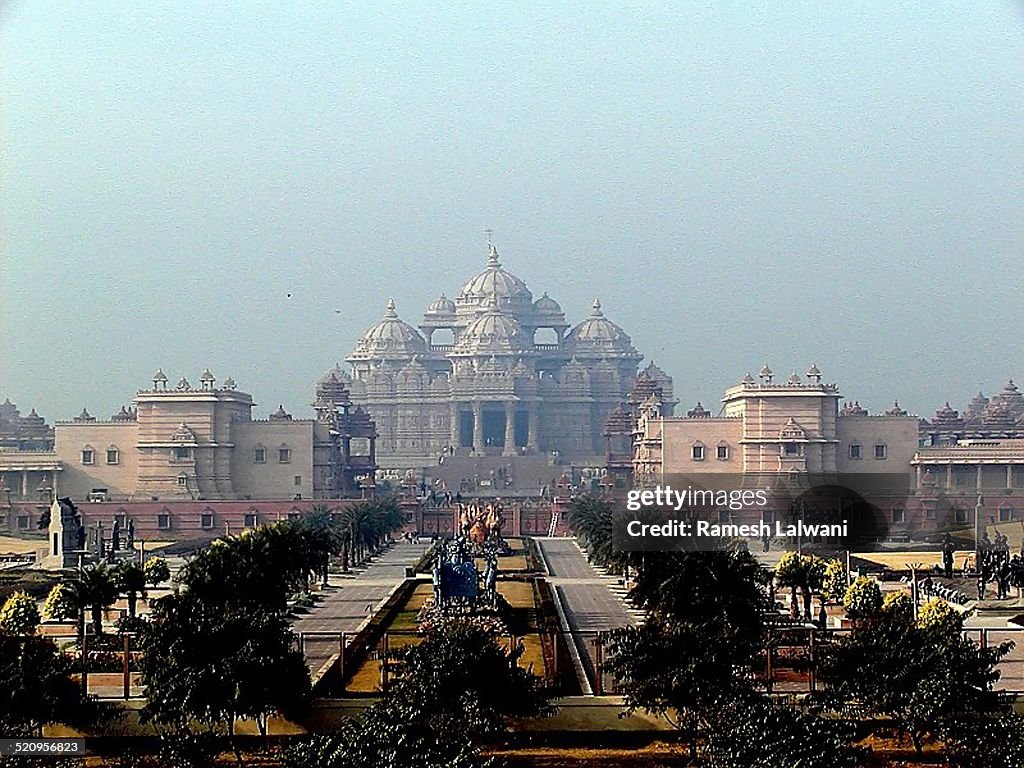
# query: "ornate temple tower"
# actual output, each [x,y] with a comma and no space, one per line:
[511,377]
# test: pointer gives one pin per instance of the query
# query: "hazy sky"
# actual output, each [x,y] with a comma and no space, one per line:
[739,182]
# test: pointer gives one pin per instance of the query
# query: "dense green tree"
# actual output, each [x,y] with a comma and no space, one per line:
[460,681]
[451,691]
[157,571]
[591,520]
[381,738]
[93,588]
[130,579]
[768,736]
[36,687]
[923,674]
[805,573]
[202,664]
[686,672]
[992,741]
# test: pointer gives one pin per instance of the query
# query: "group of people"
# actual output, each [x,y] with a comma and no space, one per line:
[994,564]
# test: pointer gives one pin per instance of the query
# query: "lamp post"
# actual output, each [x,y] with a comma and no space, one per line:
[914,567]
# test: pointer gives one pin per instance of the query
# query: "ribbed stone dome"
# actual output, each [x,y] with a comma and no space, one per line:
[496,281]
[492,332]
[547,305]
[597,335]
[388,339]
[442,305]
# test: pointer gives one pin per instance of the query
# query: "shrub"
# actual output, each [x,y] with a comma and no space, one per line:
[833,583]
[863,598]
[20,615]
[60,604]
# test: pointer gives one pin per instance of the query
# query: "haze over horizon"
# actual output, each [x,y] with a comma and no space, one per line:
[242,186]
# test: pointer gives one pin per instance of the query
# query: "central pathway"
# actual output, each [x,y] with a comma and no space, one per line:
[589,604]
[351,600]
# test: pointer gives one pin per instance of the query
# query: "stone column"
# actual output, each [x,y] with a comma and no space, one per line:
[478,428]
[949,477]
[980,466]
[917,477]
[24,483]
[1009,475]
[454,425]
[510,430]
[532,443]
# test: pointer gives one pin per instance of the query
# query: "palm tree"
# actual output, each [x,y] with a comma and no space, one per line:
[130,579]
[93,587]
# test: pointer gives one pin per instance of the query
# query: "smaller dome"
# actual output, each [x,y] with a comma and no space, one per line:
[280,414]
[765,372]
[747,379]
[159,375]
[442,305]
[85,416]
[547,305]
[853,409]
[698,412]
[599,336]
[794,380]
[895,410]
[391,338]
[207,376]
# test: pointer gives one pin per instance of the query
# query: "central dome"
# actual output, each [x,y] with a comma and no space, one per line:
[494,281]
[492,332]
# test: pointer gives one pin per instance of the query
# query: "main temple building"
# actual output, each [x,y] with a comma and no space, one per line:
[493,372]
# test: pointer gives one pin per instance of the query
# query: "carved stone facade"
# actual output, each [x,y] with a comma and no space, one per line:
[1000,417]
[765,426]
[494,386]
[200,443]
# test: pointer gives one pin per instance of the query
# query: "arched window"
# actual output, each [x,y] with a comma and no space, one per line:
[113,455]
[697,451]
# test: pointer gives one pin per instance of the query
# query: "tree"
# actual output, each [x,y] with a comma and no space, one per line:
[834,581]
[459,682]
[36,687]
[93,587]
[19,615]
[451,691]
[156,570]
[768,736]
[200,663]
[382,739]
[863,598]
[591,521]
[130,580]
[696,652]
[986,740]
[803,572]
[922,674]
[685,672]
[61,604]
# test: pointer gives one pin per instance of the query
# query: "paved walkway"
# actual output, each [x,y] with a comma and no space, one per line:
[591,602]
[350,600]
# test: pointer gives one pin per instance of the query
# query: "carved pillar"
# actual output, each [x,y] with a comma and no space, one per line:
[454,425]
[949,477]
[478,428]
[532,442]
[510,429]
[1009,475]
